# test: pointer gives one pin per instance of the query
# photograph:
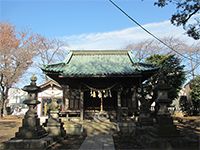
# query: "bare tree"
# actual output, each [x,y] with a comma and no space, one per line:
[16,53]
[143,49]
[49,51]
[191,52]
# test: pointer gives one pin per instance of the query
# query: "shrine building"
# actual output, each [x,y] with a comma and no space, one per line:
[95,81]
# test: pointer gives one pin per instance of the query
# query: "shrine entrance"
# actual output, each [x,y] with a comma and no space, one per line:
[95,101]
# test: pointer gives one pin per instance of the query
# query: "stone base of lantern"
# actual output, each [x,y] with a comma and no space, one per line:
[145,120]
[31,135]
[31,128]
[165,126]
[28,144]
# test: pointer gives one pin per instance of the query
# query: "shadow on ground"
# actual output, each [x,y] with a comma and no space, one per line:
[145,137]
[72,142]
[189,138]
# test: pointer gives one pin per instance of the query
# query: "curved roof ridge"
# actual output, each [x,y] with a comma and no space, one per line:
[97,52]
[68,57]
[132,57]
[99,63]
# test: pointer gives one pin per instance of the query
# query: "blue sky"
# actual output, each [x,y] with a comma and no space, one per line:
[90,24]
[56,18]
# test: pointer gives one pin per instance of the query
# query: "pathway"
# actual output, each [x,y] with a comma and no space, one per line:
[98,142]
[99,136]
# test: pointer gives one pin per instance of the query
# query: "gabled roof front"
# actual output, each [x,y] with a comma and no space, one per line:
[50,83]
[104,63]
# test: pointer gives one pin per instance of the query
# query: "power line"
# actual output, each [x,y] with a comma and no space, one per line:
[194,68]
[148,31]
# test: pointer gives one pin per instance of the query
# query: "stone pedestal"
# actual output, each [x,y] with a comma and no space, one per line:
[145,118]
[54,126]
[73,128]
[101,116]
[126,128]
[29,144]
[31,128]
[165,126]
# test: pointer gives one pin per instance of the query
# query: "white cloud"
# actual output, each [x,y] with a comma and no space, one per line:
[119,39]
[115,40]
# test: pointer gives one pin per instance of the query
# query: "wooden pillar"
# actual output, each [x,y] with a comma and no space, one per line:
[134,101]
[142,89]
[66,97]
[119,104]
[81,104]
[119,99]
[142,100]
[63,90]
[101,106]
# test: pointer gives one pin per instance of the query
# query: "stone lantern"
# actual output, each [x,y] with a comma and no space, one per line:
[31,134]
[31,128]
[162,100]
[165,125]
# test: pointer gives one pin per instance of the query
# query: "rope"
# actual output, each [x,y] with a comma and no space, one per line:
[95,89]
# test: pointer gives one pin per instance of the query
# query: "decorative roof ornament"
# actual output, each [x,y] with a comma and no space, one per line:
[33,79]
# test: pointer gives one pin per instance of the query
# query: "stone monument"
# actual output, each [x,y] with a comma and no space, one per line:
[31,135]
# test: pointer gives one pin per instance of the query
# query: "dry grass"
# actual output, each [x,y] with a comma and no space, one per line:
[8,126]
[189,126]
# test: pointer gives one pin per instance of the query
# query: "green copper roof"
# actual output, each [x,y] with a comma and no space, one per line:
[98,64]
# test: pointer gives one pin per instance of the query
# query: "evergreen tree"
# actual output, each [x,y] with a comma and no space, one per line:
[172,71]
[195,95]
[186,15]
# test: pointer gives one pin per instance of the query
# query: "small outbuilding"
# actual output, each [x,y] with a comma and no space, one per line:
[49,91]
